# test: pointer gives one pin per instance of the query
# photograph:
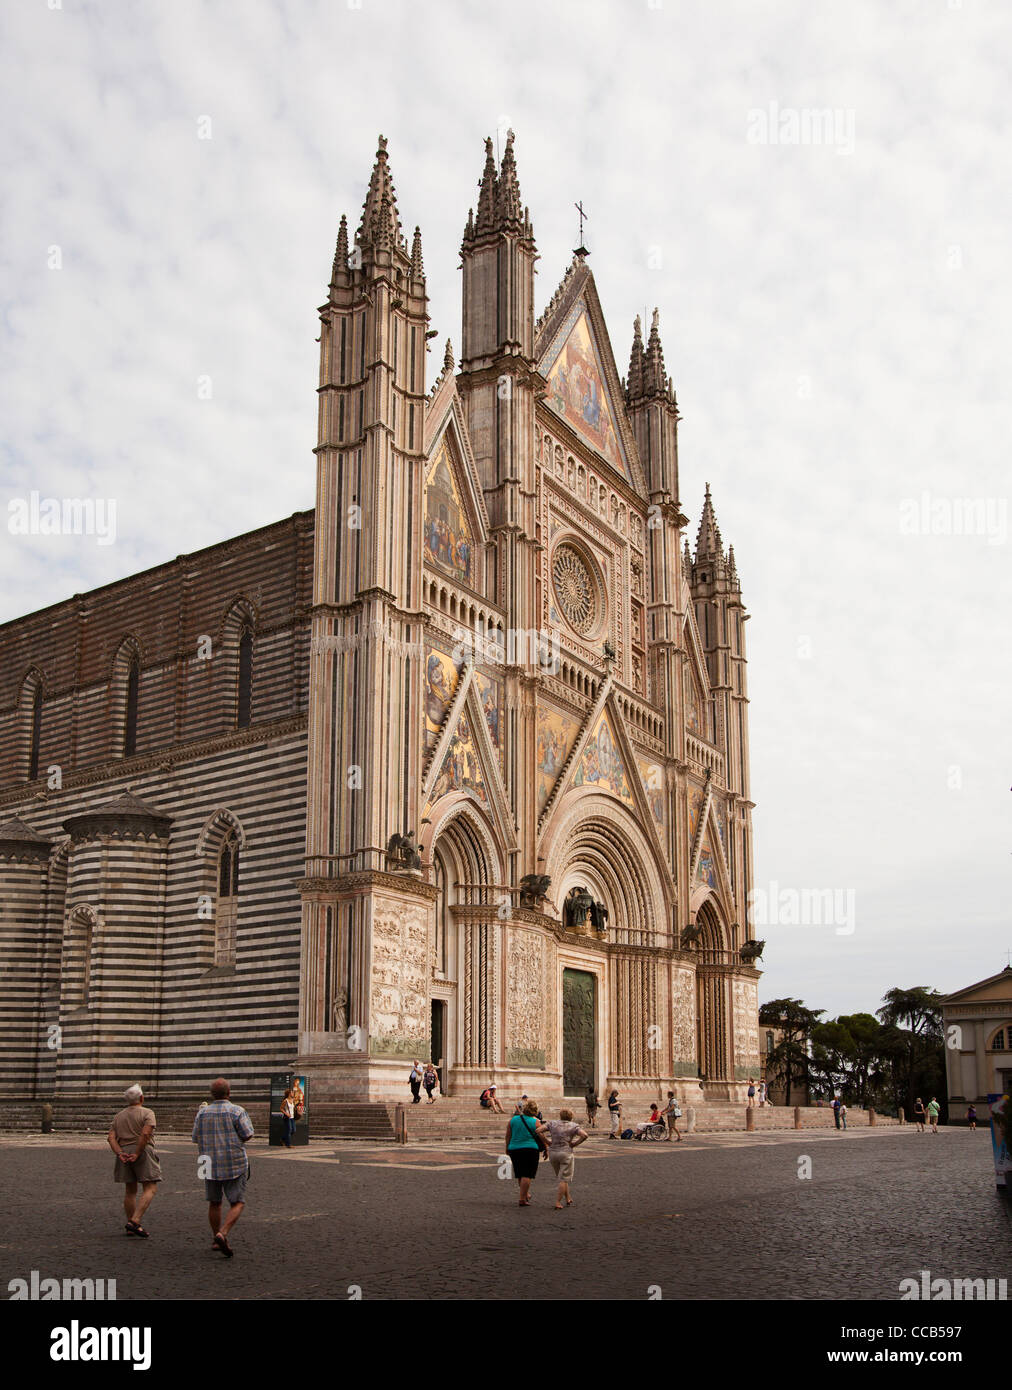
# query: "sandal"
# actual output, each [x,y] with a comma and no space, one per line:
[222,1244]
[133,1229]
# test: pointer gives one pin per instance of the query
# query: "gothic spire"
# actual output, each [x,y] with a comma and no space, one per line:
[654,378]
[448,356]
[708,542]
[487,192]
[341,254]
[635,387]
[380,225]
[509,207]
[417,268]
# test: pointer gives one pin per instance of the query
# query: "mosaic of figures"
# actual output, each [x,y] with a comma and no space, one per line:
[461,770]
[490,695]
[555,736]
[693,715]
[449,544]
[576,391]
[695,804]
[441,676]
[653,784]
[707,870]
[601,764]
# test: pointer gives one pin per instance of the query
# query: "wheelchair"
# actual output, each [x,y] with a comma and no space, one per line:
[655,1131]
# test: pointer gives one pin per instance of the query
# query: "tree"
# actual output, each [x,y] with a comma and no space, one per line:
[789,1058]
[917,1049]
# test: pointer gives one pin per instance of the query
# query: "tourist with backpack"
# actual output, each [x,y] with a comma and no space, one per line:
[525,1142]
[615,1111]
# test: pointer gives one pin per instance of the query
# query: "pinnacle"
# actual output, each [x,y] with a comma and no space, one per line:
[708,542]
[635,387]
[487,191]
[417,267]
[380,225]
[509,207]
[654,377]
[448,356]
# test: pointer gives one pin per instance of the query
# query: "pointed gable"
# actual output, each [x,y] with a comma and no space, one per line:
[556,734]
[461,769]
[449,532]
[601,763]
[577,389]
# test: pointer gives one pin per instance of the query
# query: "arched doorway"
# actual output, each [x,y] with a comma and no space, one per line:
[465,992]
[712,1002]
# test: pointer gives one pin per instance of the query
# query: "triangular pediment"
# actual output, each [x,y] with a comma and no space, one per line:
[602,763]
[468,752]
[575,357]
[454,522]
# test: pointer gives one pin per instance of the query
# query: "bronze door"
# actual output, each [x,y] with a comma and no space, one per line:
[579,1031]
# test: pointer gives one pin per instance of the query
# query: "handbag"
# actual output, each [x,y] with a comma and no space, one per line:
[537,1137]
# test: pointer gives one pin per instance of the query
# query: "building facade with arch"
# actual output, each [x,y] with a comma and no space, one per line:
[454,766]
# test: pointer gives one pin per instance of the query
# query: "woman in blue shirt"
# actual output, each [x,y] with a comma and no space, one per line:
[522,1134]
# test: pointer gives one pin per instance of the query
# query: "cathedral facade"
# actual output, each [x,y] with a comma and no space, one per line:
[455,766]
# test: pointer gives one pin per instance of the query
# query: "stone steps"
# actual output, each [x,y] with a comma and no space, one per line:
[451,1118]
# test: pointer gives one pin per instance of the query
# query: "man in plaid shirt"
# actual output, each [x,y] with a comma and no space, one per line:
[220,1132]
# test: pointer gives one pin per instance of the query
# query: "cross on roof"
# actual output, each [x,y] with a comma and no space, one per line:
[584,217]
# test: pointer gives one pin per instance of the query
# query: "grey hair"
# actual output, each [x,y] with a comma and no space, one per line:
[133,1093]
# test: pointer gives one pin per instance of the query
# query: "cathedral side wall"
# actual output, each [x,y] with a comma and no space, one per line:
[152,951]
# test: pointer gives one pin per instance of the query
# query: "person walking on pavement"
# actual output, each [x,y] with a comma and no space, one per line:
[671,1113]
[593,1105]
[836,1111]
[221,1132]
[131,1138]
[415,1082]
[919,1115]
[971,1116]
[429,1081]
[843,1115]
[288,1118]
[525,1138]
[933,1109]
[615,1111]
[564,1135]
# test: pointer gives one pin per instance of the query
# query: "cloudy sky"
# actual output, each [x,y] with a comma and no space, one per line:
[833,292]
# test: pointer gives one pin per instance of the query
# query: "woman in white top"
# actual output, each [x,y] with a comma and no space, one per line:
[563,1137]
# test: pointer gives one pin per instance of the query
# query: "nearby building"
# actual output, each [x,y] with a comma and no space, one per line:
[456,765]
[977,1023]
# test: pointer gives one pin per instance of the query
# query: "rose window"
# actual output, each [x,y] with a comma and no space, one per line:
[575,589]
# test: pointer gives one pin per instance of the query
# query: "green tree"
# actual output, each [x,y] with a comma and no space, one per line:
[789,1059]
[916,1049]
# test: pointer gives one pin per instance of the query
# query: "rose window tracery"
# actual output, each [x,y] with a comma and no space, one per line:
[575,589]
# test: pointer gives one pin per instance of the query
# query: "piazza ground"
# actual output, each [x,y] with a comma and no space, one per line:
[715,1217]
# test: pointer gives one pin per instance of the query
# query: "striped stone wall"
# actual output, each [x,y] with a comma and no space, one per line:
[109,868]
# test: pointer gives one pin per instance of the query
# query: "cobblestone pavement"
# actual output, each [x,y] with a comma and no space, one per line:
[715,1217]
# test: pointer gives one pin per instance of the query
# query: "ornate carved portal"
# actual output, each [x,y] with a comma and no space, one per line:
[579,1031]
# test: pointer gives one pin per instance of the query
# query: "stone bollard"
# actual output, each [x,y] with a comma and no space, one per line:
[797,1117]
[401,1124]
[871,1114]
[900,1114]
[690,1119]
[749,1118]
[47,1118]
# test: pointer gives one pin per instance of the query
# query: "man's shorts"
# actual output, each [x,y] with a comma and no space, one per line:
[233,1189]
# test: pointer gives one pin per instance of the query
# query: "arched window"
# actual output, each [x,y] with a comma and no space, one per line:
[997,1043]
[79,940]
[226,908]
[130,724]
[35,739]
[244,701]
